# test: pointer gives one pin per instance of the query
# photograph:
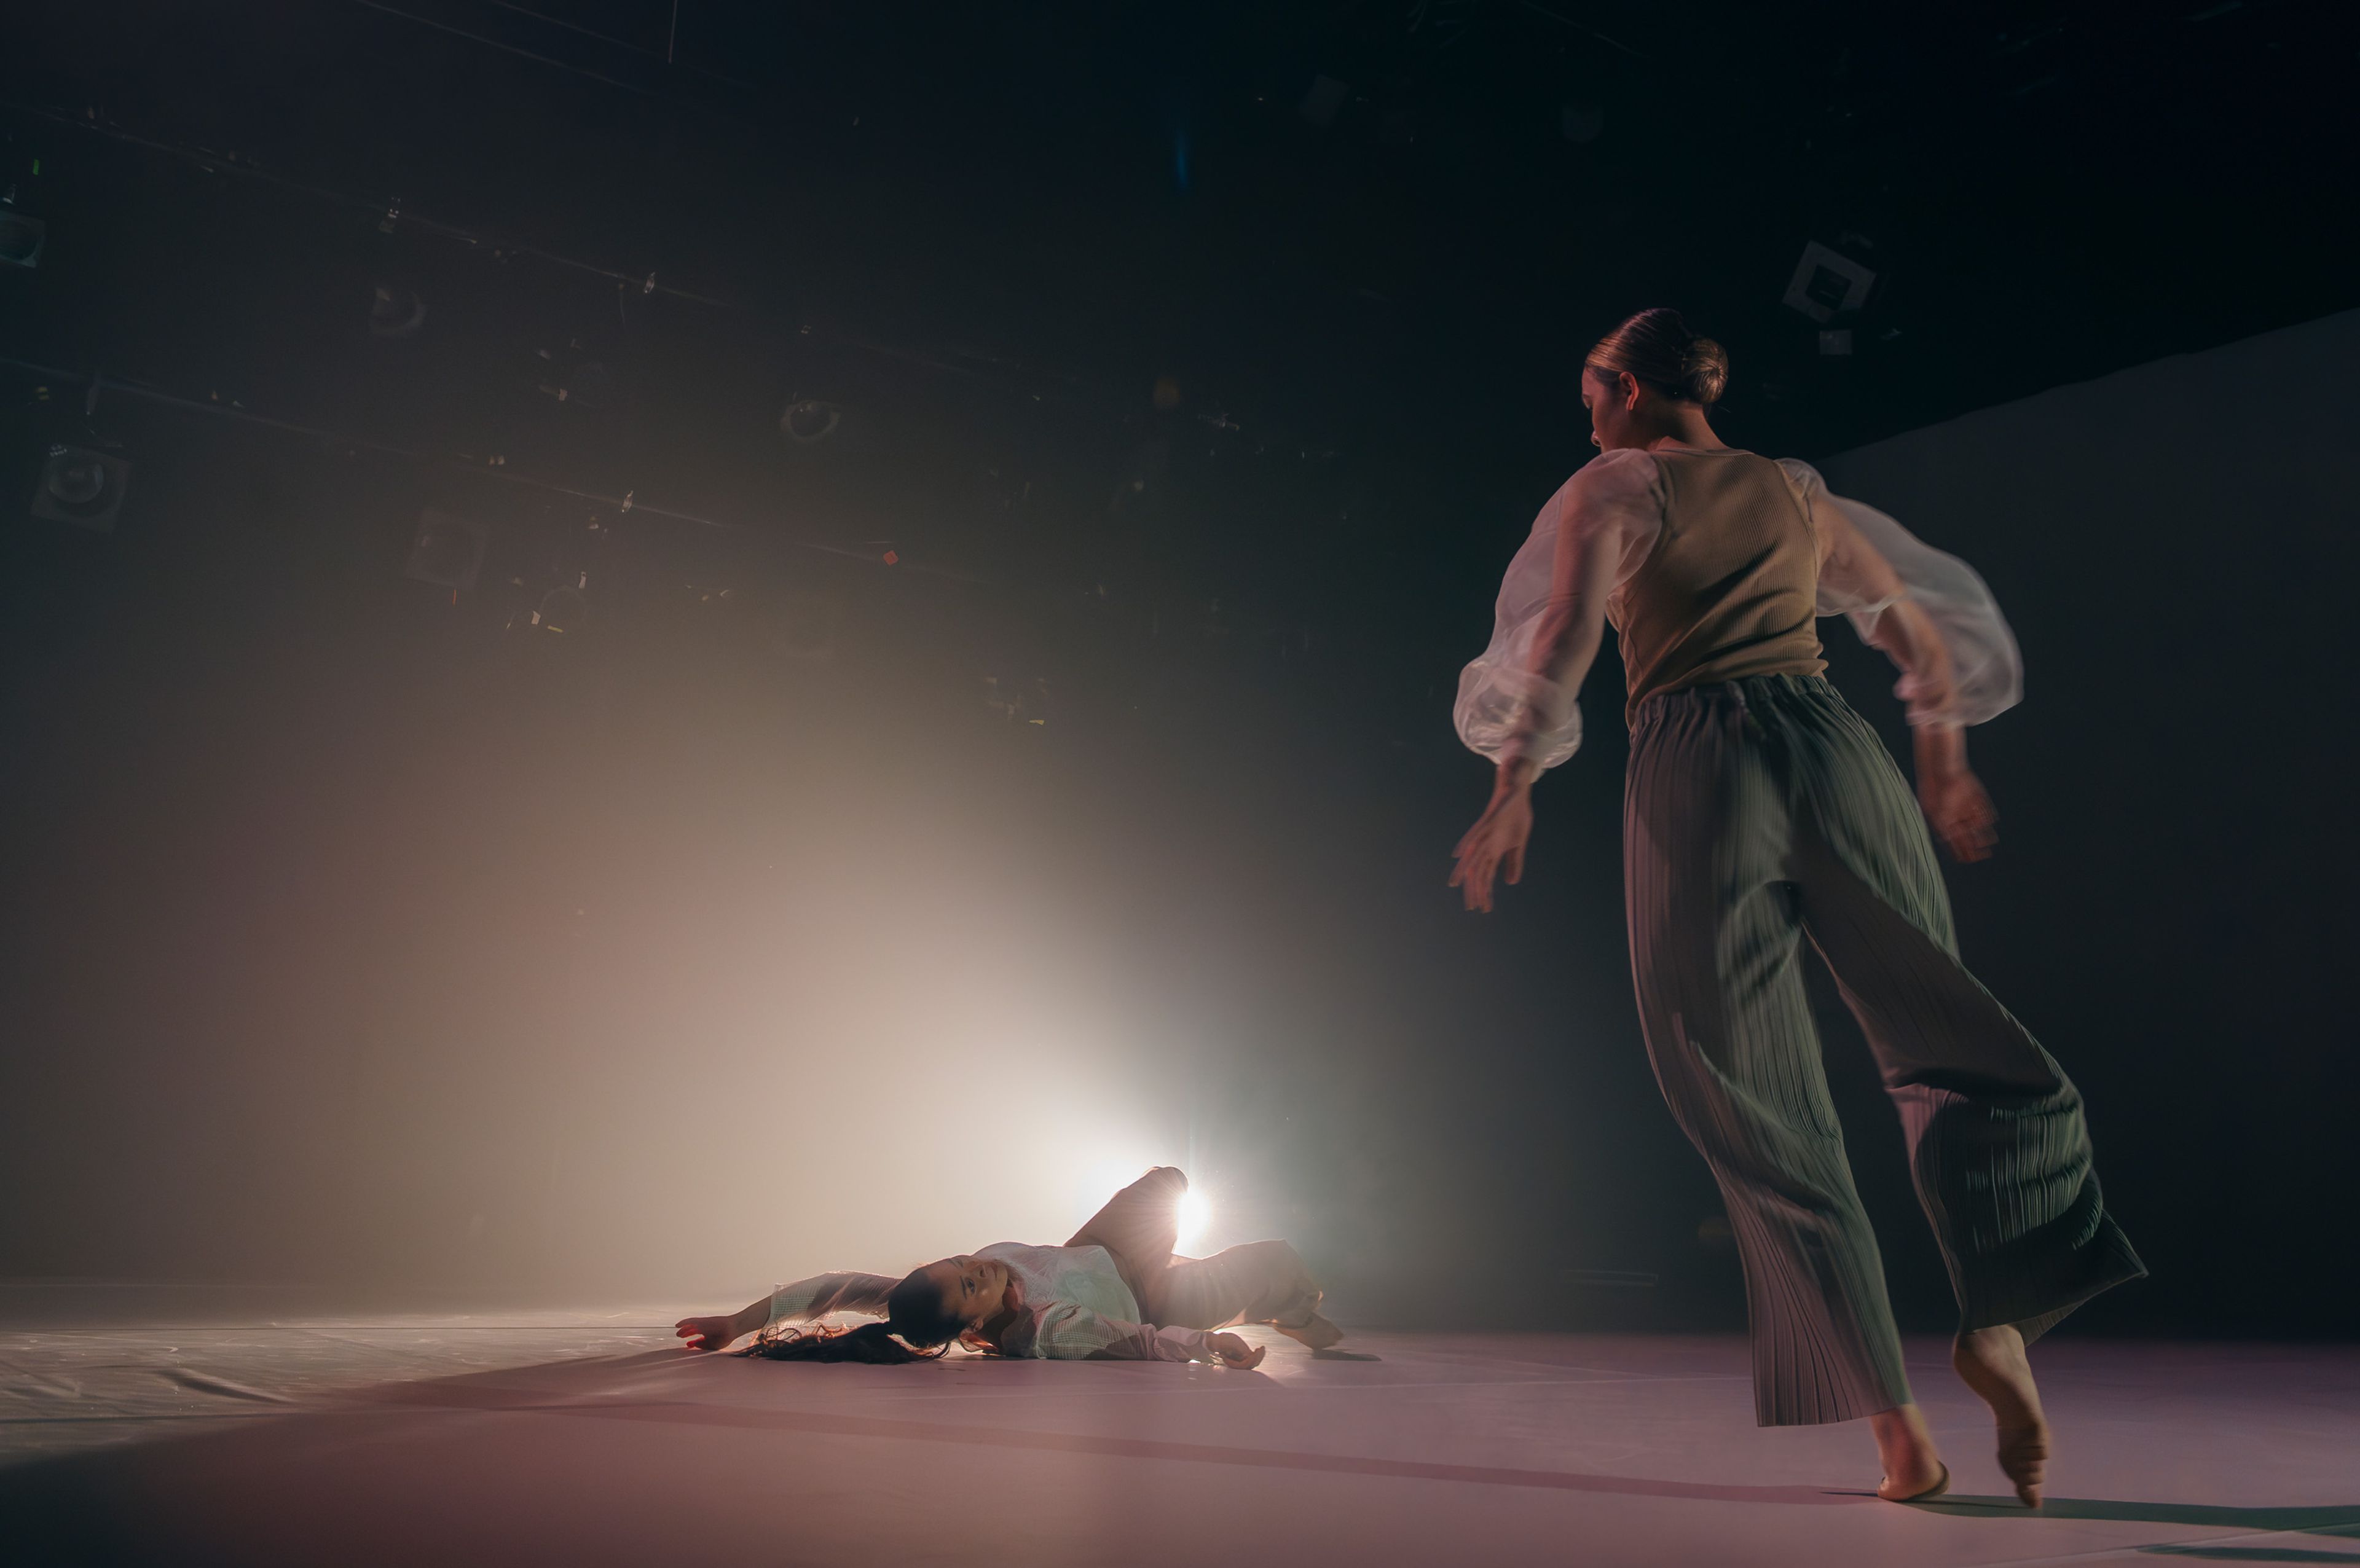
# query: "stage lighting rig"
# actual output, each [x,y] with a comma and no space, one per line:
[811,421]
[1827,284]
[560,610]
[578,378]
[21,238]
[447,550]
[1013,700]
[82,487]
[396,311]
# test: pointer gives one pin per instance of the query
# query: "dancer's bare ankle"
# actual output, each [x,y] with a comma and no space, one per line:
[1992,1362]
[1904,1446]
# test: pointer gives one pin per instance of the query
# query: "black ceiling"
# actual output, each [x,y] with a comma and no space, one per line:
[987,212]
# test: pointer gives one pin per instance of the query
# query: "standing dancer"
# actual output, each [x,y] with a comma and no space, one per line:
[1759,808]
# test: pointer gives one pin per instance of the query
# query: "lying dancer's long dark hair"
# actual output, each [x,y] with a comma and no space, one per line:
[917,1327]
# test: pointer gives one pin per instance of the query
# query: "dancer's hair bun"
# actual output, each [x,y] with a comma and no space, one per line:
[1656,347]
[1704,371]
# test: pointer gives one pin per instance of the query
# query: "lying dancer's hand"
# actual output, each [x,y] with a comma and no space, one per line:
[720,1333]
[1496,842]
[1235,1353]
[707,1334]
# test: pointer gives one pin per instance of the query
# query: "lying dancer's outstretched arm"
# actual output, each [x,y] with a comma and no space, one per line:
[1066,1333]
[799,1303]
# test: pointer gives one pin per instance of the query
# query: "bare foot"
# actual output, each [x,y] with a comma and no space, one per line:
[707,1333]
[1912,1467]
[1991,1361]
[1316,1335]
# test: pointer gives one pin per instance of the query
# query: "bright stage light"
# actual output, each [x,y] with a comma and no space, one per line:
[1196,1215]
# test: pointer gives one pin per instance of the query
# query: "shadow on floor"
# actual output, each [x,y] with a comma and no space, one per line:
[516,1391]
[2336,1522]
[2251,1553]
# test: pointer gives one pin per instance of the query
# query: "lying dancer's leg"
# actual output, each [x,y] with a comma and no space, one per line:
[1262,1281]
[1139,1226]
[1714,947]
[1998,1149]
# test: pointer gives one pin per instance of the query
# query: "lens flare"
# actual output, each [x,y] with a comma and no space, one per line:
[1196,1215]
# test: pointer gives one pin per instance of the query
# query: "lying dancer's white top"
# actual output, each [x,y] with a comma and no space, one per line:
[1623,491]
[1076,1306]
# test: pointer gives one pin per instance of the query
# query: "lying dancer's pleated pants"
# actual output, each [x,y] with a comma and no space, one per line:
[1260,1281]
[1759,812]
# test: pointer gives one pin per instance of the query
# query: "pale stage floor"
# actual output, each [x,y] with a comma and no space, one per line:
[584,1438]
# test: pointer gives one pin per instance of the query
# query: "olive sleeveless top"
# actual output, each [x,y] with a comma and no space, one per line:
[1730,587]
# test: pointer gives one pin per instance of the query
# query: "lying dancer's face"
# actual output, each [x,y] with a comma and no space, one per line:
[975,1289]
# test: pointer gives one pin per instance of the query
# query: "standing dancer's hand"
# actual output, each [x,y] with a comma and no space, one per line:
[1956,807]
[1496,842]
[1235,1353]
[1960,813]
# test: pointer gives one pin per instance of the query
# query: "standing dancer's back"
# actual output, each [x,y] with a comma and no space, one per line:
[1730,587]
[1760,809]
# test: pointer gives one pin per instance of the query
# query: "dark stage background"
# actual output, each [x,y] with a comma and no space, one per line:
[1045,770]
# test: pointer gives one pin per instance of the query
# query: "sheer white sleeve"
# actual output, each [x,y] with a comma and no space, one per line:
[1986,674]
[1062,1332]
[1501,695]
[824,1294]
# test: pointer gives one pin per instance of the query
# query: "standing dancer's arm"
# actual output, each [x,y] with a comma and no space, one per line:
[1589,548]
[1953,797]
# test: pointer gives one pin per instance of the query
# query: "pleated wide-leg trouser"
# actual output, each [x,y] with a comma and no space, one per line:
[1259,1281]
[1761,811]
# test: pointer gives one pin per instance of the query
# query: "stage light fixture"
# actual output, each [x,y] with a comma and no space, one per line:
[1827,284]
[81,487]
[447,550]
[395,312]
[811,421]
[560,610]
[1017,701]
[21,238]
[577,377]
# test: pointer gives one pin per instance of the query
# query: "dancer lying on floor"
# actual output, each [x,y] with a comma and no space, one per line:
[1114,1292]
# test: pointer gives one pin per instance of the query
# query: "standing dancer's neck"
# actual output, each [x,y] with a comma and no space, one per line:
[1673,424]
[1626,412]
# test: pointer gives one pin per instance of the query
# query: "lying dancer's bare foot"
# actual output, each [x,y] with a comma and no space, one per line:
[1316,1335]
[1913,1470]
[1992,1362]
